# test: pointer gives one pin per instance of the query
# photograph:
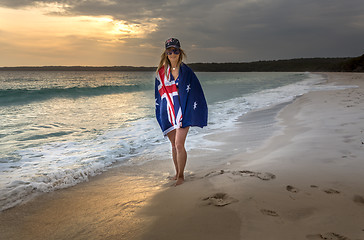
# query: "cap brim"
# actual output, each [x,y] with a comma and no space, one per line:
[174,46]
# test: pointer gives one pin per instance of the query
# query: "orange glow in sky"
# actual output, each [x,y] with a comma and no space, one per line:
[34,37]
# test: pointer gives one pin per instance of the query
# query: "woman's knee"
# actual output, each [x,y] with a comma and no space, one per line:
[180,146]
[180,139]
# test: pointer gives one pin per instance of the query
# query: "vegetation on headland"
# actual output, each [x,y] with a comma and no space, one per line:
[353,64]
[291,65]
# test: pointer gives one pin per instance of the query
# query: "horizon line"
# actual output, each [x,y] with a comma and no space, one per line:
[130,66]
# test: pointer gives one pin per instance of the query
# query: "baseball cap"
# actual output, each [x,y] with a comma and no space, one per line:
[173,42]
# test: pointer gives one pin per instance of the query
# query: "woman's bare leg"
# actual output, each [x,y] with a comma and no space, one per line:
[180,139]
[172,138]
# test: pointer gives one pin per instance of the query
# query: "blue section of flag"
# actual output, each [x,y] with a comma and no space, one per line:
[190,100]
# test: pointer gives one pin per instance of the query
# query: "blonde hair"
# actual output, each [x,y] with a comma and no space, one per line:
[165,61]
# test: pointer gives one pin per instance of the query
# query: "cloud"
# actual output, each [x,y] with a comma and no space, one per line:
[230,30]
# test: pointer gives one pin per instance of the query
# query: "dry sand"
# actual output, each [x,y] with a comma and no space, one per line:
[305,182]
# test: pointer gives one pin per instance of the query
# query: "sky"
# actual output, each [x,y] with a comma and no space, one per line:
[133,32]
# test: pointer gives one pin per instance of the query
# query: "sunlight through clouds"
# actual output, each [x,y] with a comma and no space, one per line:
[46,29]
[52,8]
[134,30]
[52,18]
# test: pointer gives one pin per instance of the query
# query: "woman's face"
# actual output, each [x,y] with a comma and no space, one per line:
[173,54]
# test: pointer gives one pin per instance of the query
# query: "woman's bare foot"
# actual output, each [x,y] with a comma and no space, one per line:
[174,178]
[179,181]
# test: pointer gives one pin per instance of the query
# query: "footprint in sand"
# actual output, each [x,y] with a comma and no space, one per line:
[331,191]
[292,189]
[216,173]
[219,199]
[327,190]
[269,212]
[244,173]
[359,200]
[266,176]
[331,235]
[262,176]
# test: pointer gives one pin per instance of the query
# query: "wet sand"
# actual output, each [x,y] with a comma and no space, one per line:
[305,182]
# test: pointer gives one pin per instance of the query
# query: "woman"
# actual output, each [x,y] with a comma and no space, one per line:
[180,102]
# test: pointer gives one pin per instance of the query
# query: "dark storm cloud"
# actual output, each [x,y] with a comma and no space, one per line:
[239,30]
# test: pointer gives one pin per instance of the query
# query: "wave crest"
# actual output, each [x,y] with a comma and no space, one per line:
[21,96]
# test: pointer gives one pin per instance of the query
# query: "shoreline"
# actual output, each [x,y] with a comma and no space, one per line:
[289,188]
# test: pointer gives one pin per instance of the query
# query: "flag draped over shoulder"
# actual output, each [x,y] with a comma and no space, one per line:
[180,106]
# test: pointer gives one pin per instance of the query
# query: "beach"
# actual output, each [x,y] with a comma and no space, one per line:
[304,182]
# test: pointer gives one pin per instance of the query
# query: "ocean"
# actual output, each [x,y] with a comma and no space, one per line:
[58,129]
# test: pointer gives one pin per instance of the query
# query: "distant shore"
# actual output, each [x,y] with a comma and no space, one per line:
[346,64]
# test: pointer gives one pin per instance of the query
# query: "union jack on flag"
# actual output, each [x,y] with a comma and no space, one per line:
[168,92]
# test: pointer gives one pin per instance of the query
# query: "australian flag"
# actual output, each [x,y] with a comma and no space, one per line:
[180,106]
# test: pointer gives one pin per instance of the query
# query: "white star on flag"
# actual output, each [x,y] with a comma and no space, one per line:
[194,105]
[188,88]
[156,102]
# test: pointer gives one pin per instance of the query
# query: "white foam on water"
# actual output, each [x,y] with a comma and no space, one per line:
[63,164]
[223,115]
